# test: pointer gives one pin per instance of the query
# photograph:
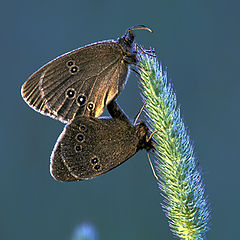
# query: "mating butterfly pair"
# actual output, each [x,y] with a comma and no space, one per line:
[75,88]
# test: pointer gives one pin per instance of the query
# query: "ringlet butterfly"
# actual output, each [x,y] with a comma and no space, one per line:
[89,147]
[82,82]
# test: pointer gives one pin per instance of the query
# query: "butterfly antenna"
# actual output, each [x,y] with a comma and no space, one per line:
[138,115]
[139,27]
[154,173]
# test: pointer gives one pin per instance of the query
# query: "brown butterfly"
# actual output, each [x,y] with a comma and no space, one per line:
[89,147]
[83,81]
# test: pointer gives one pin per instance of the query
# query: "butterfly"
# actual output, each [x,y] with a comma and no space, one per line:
[89,146]
[82,82]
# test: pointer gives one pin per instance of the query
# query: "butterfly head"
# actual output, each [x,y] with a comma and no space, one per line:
[127,40]
[129,37]
[145,142]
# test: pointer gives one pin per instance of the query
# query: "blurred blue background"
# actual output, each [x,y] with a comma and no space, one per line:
[198,41]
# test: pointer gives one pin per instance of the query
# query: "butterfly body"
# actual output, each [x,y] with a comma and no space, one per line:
[89,147]
[81,82]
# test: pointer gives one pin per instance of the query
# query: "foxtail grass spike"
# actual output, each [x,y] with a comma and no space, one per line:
[180,180]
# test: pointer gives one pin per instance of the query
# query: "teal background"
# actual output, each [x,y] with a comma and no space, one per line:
[198,41]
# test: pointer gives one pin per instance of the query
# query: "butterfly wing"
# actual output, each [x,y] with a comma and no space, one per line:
[81,82]
[89,147]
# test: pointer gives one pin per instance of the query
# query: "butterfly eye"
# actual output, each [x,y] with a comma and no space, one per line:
[83,128]
[81,100]
[78,148]
[74,69]
[97,167]
[70,63]
[94,160]
[70,93]
[80,137]
[90,106]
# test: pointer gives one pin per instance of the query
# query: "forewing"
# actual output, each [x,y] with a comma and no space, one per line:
[80,82]
[57,168]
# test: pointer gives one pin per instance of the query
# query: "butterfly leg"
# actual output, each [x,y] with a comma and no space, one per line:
[138,115]
[154,174]
[148,52]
